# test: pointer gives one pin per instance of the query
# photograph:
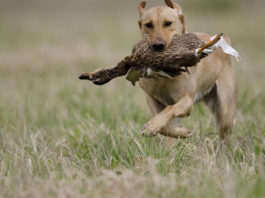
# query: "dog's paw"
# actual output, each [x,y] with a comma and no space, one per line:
[176,132]
[150,130]
[184,132]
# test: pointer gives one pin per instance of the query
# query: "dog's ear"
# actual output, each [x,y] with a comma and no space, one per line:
[140,23]
[141,7]
[182,20]
[173,5]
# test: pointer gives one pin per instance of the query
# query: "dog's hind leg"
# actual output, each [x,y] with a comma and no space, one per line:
[222,101]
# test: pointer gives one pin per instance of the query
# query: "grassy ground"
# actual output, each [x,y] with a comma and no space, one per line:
[60,137]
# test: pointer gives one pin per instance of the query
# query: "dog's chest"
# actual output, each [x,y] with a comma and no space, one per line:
[169,91]
[158,88]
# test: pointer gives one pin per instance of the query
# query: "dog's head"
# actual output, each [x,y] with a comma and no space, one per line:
[160,24]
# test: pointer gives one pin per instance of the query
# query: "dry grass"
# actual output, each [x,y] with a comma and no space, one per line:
[60,137]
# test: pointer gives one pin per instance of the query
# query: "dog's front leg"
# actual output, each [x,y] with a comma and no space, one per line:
[181,109]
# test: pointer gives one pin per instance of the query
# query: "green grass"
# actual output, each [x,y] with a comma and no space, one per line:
[61,137]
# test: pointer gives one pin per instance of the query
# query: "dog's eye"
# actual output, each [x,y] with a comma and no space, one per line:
[149,25]
[168,23]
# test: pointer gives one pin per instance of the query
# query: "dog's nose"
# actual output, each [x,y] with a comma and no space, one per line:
[158,45]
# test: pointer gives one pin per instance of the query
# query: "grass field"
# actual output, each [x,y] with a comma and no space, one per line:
[61,137]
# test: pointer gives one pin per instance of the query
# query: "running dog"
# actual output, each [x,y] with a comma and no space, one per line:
[212,81]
